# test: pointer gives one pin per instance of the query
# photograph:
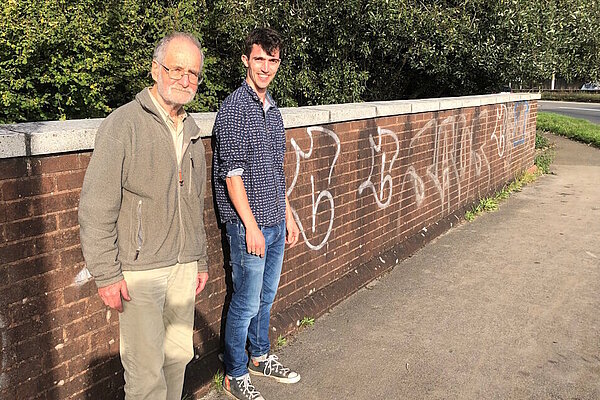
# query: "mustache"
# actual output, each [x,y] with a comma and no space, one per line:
[188,91]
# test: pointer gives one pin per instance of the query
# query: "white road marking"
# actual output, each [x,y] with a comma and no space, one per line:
[581,109]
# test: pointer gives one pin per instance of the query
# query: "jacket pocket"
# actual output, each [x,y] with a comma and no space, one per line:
[139,236]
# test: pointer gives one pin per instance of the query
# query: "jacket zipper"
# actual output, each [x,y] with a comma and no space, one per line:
[191,167]
[139,230]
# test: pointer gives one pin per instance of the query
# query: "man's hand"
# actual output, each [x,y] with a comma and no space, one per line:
[201,280]
[255,241]
[293,233]
[111,295]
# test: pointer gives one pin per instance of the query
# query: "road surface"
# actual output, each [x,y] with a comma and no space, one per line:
[588,111]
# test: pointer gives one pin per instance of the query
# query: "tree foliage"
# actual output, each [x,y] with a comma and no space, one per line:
[83,58]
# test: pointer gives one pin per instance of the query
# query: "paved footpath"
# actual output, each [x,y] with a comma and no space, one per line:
[505,307]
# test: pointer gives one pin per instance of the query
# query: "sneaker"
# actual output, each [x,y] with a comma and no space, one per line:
[271,367]
[241,388]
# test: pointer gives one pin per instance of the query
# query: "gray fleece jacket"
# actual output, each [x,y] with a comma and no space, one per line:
[135,213]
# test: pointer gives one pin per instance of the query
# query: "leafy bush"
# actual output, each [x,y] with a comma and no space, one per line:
[82,58]
[590,97]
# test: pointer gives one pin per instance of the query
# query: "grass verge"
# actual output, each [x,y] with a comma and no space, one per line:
[573,128]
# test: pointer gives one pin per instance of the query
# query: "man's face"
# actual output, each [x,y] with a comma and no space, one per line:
[262,67]
[183,55]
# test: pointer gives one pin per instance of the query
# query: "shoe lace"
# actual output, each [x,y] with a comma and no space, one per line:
[247,387]
[272,364]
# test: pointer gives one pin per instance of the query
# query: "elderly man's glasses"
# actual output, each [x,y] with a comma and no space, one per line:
[178,73]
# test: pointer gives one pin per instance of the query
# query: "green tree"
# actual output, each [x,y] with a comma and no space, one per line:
[83,58]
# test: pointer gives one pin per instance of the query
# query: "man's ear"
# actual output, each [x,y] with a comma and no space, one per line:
[155,70]
[245,60]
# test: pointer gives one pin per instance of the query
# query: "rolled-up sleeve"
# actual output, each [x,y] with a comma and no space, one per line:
[231,140]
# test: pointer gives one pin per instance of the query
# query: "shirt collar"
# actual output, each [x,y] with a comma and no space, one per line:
[252,93]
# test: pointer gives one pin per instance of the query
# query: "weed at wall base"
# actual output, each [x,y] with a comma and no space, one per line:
[218,381]
[281,341]
[543,158]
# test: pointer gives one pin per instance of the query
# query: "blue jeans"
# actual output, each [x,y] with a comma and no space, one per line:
[255,282]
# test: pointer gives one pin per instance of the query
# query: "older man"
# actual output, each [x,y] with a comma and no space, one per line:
[141,217]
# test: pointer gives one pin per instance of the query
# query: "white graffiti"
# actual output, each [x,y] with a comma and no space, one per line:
[300,154]
[386,180]
[418,184]
[83,276]
[510,124]
[457,160]
[456,171]
[499,133]
[439,170]
[479,155]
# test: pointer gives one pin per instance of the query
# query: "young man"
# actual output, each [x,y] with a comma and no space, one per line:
[141,218]
[252,203]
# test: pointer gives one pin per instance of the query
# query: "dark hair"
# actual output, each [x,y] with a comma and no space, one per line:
[267,38]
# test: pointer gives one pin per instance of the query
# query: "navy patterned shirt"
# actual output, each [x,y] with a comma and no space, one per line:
[251,140]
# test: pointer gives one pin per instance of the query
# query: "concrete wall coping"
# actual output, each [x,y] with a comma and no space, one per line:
[51,137]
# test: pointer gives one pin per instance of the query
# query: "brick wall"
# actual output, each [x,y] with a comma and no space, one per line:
[366,193]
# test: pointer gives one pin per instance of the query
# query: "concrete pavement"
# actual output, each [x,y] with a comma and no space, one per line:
[505,307]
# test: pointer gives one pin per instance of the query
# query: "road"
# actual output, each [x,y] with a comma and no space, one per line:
[588,111]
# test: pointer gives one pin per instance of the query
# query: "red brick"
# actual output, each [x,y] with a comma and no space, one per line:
[39,245]
[28,187]
[31,347]
[70,180]
[107,388]
[8,392]
[29,228]
[13,168]
[44,204]
[4,277]
[49,284]
[75,292]
[24,370]
[54,163]
[67,219]
[67,389]
[32,267]
[17,251]
[84,159]
[85,325]
[66,238]
[72,348]
[3,215]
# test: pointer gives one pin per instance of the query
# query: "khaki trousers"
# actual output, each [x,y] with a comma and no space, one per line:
[156,329]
